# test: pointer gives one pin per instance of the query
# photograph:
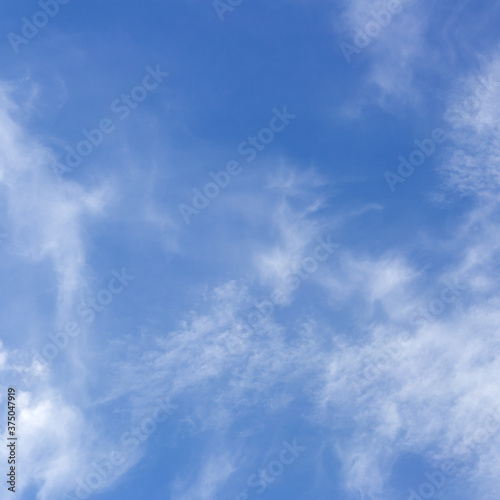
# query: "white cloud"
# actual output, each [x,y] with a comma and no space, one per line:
[433,392]
[48,225]
[472,164]
[395,53]
[46,217]
[215,471]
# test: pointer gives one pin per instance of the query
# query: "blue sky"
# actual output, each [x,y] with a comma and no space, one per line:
[250,249]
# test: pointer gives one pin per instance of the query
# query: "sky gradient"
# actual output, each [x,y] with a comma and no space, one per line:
[250,249]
